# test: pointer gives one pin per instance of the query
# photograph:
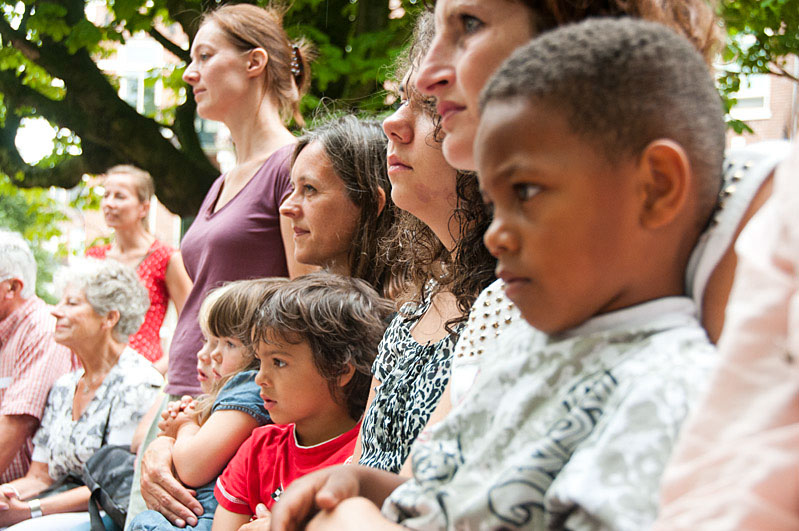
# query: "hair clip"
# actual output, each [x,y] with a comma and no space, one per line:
[296,64]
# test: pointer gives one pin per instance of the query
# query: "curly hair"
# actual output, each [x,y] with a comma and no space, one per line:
[109,286]
[342,319]
[412,249]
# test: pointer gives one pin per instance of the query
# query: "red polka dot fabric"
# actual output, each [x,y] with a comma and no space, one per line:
[152,272]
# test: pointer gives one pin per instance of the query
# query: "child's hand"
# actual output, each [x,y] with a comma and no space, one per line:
[262,520]
[174,408]
[170,424]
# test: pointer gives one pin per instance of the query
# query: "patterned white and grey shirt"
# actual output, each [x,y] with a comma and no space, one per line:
[125,395]
[569,431]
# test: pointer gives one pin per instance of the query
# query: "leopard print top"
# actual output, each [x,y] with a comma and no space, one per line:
[413,377]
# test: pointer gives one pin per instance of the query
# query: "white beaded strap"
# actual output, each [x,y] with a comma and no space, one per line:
[36,508]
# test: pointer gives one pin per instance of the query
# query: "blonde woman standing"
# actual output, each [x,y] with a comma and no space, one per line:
[125,205]
[247,74]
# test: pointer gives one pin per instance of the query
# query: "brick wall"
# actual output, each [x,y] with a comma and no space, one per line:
[781,121]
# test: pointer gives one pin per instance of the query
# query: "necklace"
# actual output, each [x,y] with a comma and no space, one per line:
[87,385]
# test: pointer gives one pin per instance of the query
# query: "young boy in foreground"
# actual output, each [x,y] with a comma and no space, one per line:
[315,338]
[600,149]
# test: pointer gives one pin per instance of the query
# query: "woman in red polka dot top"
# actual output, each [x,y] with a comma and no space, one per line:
[125,205]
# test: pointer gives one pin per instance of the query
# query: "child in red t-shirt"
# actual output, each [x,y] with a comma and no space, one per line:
[316,338]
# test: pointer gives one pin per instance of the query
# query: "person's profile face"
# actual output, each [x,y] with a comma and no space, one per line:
[422,182]
[292,388]
[472,39]
[565,219]
[120,203]
[77,323]
[217,73]
[323,217]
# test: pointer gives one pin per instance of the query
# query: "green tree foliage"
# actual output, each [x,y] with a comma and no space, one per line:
[36,216]
[48,68]
[762,34]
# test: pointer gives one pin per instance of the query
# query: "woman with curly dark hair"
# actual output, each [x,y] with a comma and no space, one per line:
[437,254]
[472,39]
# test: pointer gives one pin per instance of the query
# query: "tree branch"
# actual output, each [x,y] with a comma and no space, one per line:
[23,24]
[170,46]
[184,130]
[65,174]
[18,41]
[189,20]
[55,111]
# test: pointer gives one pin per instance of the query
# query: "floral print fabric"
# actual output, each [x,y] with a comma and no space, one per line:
[125,395]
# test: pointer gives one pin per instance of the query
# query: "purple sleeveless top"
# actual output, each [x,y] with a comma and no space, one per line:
[239,241]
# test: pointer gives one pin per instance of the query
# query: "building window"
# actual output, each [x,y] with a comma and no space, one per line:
[753,98]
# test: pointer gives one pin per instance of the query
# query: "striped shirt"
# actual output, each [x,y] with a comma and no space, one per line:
[30,362]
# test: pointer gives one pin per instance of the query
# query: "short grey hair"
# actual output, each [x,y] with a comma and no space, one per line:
[17,261]
[109,285]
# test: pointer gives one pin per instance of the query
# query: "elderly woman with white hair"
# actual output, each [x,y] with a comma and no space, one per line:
[102,303]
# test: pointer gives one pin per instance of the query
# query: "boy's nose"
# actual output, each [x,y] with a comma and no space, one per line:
[261,379]
[499,239]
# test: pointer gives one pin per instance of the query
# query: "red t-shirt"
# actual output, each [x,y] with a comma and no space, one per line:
[270,460]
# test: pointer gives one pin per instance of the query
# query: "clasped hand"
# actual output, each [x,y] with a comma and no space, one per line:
[177,414]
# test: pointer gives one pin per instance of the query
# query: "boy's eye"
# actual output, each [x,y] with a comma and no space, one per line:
[525,191]
[308,189]
[470,23]
[277,362]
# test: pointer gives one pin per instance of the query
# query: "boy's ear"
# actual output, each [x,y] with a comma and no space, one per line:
[256,62]
[345,378]
[667,181]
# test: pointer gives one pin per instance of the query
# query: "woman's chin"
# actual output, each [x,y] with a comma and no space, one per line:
[458,151]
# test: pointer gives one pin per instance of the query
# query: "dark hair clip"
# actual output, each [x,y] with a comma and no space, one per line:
[296,63]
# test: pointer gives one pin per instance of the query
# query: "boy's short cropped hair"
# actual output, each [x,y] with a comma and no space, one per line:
[341,318]
[621,84]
